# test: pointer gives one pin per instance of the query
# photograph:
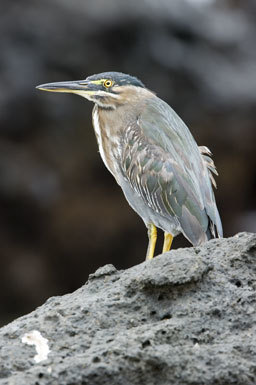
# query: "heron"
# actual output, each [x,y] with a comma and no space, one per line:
[165,176]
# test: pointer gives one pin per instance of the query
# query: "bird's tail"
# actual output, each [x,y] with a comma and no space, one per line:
[214,230]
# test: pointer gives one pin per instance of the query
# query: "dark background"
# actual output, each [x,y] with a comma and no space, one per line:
[61,213]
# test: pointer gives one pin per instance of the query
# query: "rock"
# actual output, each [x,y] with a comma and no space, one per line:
[186,317]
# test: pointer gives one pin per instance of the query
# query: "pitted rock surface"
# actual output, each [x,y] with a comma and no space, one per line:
[186,317]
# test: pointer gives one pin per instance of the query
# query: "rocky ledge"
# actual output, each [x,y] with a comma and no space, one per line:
[186,317]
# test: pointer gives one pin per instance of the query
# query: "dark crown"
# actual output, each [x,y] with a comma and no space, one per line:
[119,78]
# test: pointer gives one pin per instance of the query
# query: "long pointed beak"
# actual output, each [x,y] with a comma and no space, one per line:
[72,87]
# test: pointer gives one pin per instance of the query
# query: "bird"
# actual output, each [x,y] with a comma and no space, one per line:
[165,176]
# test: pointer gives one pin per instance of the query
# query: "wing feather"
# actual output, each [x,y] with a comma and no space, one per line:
[170,172]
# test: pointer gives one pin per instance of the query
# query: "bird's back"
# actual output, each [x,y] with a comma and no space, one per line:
[173,171]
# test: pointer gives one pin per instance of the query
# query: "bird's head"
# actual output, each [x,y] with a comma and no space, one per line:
[107,89]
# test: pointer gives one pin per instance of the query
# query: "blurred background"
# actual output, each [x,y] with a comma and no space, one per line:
[61,213]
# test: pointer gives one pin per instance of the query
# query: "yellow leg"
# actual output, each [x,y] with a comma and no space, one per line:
[167,242]
[152,235]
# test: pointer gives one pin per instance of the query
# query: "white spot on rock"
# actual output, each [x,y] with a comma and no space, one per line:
[200,2]
[41,344]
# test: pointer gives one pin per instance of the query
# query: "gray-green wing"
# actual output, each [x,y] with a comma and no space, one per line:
[163,164]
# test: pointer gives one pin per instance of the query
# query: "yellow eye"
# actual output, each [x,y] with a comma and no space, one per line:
[108,83]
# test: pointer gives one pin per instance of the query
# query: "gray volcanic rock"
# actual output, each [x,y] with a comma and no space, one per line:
[186,317]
